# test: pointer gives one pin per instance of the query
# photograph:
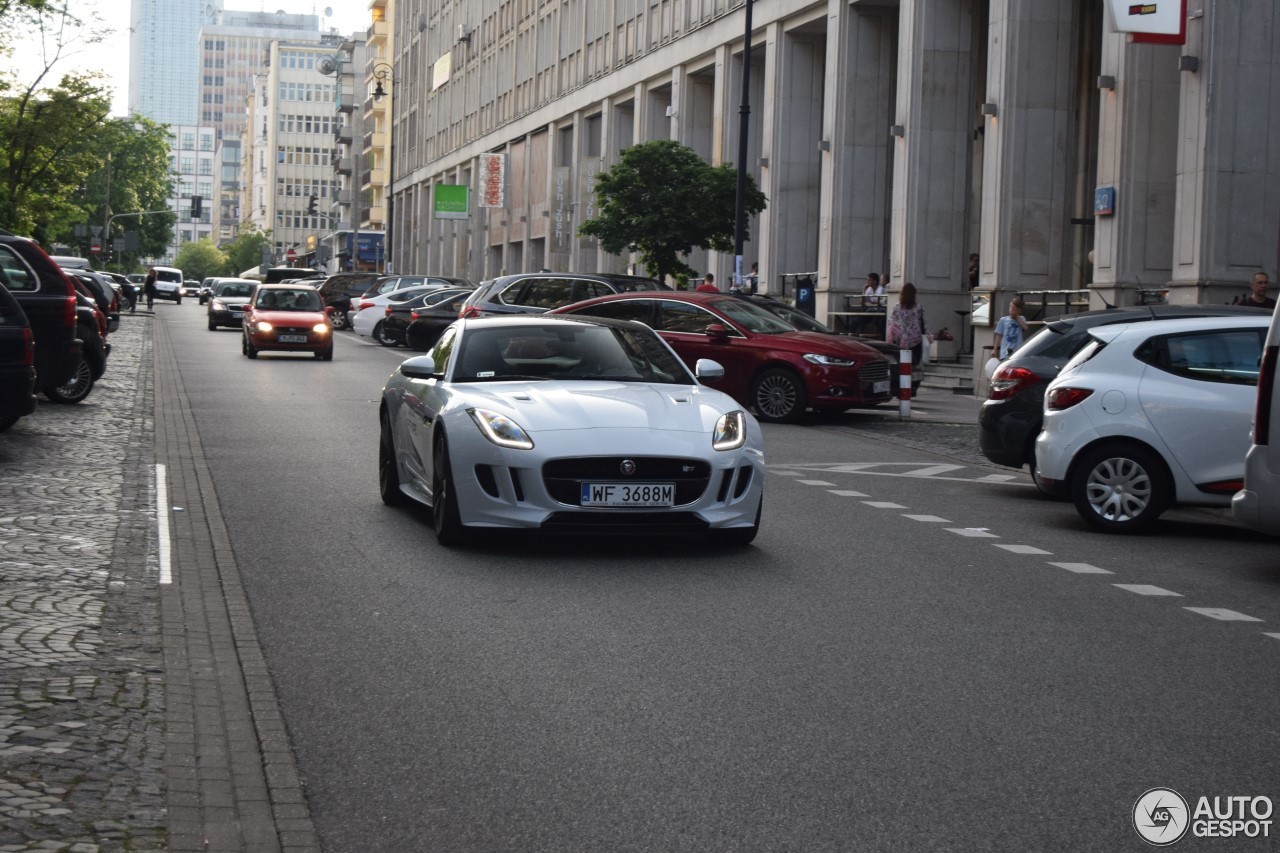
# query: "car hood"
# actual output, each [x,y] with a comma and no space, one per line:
[291,318]
[235,300]
[586,405]
[818,343]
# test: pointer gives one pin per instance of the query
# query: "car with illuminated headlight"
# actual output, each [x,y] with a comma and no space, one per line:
[569,425]
[1151,415]
[287,317]
[769,364]
[227,300]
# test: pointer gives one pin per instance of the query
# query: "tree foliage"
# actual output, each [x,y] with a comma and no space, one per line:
[661,201]
[199,259]
[246,249]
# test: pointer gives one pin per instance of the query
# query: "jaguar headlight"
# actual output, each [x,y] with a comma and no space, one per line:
[731,431]
[829,360]
[501,430]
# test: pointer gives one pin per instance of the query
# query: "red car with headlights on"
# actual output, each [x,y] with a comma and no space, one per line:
[768,363]
[287,317]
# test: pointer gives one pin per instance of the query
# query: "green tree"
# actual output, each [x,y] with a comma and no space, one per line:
[200,259]
[661,201]
[246,249]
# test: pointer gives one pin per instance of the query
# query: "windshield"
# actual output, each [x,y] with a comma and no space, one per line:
[288,300]
[567,352]
[752,317]
[236,288]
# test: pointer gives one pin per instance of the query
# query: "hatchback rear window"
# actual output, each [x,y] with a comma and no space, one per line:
[14,272]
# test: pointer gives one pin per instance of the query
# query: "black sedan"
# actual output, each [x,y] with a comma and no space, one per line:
[17,362]
[418,322]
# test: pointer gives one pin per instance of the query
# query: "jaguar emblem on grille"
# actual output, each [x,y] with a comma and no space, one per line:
[627,467]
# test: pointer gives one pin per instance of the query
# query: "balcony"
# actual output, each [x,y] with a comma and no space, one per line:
[376,139]
[343,165]
[343,133]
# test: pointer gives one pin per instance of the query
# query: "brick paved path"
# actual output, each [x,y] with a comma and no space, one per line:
[133,715]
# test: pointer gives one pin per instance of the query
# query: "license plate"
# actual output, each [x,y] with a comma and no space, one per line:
[292,339]
[880,387]
[628,494]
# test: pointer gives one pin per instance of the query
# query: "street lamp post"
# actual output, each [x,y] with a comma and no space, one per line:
[383,71]
[740,197]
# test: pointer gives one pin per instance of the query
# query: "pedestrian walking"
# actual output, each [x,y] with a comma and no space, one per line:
[1257,295]
[149,288]
[907,328]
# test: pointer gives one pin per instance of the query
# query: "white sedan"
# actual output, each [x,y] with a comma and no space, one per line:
[368,312]
[1152,415]
[569,424]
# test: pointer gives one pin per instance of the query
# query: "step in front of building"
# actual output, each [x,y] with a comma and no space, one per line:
[955,376]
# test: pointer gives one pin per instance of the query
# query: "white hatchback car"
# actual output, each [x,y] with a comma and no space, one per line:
[368,312]
[1151,415]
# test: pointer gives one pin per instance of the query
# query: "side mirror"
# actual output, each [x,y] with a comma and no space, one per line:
[420,367]
[717,333]
[707,370]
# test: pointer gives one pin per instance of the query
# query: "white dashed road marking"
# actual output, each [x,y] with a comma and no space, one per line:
[1276,636]
[815,482]
[997,478]
[846,493]
[1222,614]
[786,473]
[1146,589]
[1082,568]
[937,519]
[933,470]
[884,505]
[974,532]
[1023,549]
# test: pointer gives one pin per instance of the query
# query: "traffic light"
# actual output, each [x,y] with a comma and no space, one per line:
[311,205]
[197,206]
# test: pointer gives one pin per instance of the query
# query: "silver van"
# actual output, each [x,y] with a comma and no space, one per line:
[1257,505]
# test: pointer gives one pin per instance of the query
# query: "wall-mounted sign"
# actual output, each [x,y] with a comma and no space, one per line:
[441,70]
[1104,201]
[452,201]
[560,210]
[1153,22]
[493,180]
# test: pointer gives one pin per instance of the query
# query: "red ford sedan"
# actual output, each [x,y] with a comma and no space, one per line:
[288,317]
[768,364]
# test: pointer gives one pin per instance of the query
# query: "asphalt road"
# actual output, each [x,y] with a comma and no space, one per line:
[917,653]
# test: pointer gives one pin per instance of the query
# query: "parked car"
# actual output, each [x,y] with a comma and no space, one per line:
[71,262]
[169,284]
[338,291]
[91,329]
[570,425]
[1257,504]
[287,317]
[424,325]
[17,362]
[370,311]
[768,364]
[226,307]
[802,321]
[1013,412]
[48,298]
[102,292]
[1151,415]
[398,315]
[534,293]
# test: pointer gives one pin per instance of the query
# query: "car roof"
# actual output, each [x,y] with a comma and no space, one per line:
[1150,328]
[295,284]
[547,319]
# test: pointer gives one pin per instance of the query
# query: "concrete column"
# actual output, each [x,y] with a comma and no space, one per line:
[1137,153]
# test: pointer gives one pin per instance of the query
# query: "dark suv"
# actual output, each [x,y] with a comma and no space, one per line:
[1011,417]
[534,293]
[339,289]
[48,299]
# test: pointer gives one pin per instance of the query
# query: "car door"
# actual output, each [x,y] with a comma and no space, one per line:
[1198,393]
[422,404]
[684,326]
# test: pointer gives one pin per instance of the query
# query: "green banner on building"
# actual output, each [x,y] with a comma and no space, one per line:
[452,201]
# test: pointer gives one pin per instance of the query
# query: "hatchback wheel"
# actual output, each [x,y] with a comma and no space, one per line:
[248,348]
[778,396]
[1120,489]
[74,389]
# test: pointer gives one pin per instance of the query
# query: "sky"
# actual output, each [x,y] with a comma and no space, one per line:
[112,54]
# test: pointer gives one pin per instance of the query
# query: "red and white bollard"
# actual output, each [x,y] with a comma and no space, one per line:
[904,383]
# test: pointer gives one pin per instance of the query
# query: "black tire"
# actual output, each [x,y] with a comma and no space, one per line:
[444,502]
[739,537]
[7,421]
[1120,488]
[778,396]
[326,355]
[339,320]
[213,327]
[74,389]
[177,300]
[247,348]
[384,337]
[388,475]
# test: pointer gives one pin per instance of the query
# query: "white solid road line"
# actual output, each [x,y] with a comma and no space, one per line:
[162,524]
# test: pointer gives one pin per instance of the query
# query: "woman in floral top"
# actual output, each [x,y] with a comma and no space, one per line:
[906,323]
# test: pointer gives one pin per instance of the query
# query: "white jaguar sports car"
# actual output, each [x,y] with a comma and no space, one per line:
[568,424]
